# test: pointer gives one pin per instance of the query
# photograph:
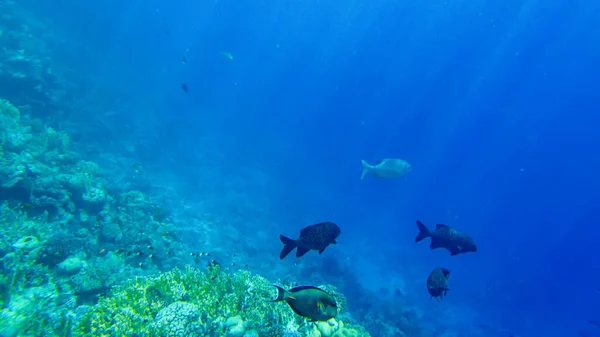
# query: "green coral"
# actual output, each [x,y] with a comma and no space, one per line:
[200,303]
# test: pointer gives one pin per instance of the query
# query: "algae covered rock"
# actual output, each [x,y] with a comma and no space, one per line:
[324,328]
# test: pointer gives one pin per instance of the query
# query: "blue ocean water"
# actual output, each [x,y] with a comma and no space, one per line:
[495,104]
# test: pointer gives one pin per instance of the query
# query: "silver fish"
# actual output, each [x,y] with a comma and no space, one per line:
[386,168]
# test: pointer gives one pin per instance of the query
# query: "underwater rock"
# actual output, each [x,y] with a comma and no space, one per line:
[324,329]
[343,332]
[314,332]
[27,242]
[111,232]
[71,265]
[235,326]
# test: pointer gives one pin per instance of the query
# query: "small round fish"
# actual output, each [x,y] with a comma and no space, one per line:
[437,283]
[308,301]
[386,168]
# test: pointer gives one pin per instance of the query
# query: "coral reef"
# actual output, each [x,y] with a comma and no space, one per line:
[41,178]
[191,302]
[62,229]
[30,303]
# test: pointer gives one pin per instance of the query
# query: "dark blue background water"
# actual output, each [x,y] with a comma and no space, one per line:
[496,104]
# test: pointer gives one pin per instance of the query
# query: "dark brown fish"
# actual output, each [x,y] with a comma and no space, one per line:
[315,237]
[308,301]
[437,283]
[455,241]
[184,87]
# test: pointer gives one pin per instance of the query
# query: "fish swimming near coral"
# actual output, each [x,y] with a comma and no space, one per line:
[386,168]
[455,241]
[307,301]
[313,237]
[437,283]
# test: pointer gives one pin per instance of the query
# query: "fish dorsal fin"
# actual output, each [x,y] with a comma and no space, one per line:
[299,288]
[305,230]
[441,226]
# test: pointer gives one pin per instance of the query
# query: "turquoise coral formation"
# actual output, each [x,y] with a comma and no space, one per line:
[57,218]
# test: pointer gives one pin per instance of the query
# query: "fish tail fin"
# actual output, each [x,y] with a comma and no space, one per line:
[289,245]
[280,294]
[423,232]
[366,168]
